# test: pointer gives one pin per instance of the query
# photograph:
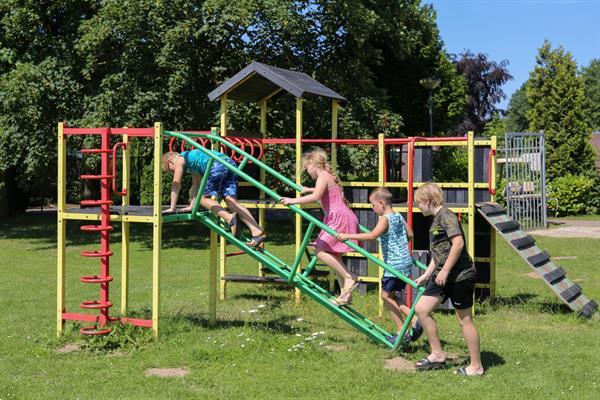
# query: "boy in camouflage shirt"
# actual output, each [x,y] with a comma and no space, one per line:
[450,274]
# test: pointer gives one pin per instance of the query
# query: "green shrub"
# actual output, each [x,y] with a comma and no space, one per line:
[575,194]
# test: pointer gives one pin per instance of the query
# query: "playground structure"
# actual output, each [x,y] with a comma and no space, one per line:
[251,84]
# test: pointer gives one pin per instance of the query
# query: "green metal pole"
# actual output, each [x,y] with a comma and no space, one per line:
[300,253]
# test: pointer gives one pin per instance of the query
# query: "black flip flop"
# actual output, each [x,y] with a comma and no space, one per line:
[256,241]
[425,364]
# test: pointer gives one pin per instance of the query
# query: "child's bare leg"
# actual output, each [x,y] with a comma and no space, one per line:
[216,208]
[244,215]
[393,307]
[465,318]
[424,308]
[405,310]
[335,262]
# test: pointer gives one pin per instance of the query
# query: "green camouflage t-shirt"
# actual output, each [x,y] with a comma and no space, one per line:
[445,225]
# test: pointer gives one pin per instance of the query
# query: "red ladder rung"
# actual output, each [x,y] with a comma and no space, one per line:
[96,228]
[94,151]
[93,330]
[95,279]
[95,304]
[92,176]
[96,253]
[95,202]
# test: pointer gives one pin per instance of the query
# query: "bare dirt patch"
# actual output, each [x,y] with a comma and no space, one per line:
[399,364]
[572,229]
[167,372]
[69,348]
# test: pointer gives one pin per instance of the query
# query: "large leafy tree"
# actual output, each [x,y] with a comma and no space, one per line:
[132,63]
[591,86]
[556,97]
[38,87]
[484,78]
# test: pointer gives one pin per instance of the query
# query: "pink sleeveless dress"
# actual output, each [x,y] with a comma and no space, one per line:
[339,218]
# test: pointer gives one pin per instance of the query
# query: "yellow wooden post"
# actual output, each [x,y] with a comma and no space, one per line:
[222,241]
[61,229]
[380,159]
[471,193]
[261,211]
[334,163]
[213,288]
[298,219]
[125,230]
[156,226]
[492,166]
[381,181]
[334,132]
[471,199]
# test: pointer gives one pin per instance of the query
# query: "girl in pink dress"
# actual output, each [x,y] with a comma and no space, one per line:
[338,217]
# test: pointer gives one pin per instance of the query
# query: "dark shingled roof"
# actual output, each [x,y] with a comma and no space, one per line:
[257,80]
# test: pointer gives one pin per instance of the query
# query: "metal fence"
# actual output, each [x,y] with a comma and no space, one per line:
[525,172]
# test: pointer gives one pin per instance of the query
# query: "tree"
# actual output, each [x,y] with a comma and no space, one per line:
[484,81]
[100,63]
[556,97]
[38,87]
[591,86]
[516,114]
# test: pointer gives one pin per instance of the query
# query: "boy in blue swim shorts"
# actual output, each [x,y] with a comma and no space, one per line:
[221,183]
[393,234]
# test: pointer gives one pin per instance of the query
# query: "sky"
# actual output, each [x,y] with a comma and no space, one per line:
[514,30]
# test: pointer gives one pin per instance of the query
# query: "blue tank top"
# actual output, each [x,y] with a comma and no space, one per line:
[196,161]
[394,245]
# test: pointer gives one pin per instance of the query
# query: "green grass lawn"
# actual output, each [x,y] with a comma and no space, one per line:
[265,345]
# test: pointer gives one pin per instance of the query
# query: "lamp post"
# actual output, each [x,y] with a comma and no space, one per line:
[430,83]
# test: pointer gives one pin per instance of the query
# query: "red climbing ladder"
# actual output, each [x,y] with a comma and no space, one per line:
[104,253]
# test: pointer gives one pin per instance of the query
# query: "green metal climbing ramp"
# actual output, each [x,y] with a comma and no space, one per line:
[285,270]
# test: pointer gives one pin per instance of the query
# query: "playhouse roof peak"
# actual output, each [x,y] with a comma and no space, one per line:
[258,81]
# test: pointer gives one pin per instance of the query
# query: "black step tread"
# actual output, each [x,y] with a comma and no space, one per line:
[523,243]
[314,272]
[492,209]
[539,259]
[570,293]
[554,276]
[254,279]
[508,226]
[588,309]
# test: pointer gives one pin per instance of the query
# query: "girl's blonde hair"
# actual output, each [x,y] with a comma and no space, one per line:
[318,157]
[431,192]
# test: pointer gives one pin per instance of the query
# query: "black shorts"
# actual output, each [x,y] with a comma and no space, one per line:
[460,293]
[391,284]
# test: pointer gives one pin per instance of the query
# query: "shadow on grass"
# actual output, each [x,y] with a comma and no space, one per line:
[526,300]
[519,299]
[277,325]
[490,359]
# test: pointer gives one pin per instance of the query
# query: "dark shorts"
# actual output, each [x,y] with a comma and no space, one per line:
[460,293]
[392,284]
[221,181]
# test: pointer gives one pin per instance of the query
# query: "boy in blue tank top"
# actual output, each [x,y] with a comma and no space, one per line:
[393,234]
[221,183]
